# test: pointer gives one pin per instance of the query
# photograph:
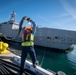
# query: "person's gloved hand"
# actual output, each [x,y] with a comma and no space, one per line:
[28,19]
[25,18]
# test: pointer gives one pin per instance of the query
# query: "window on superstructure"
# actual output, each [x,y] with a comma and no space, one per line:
[10,23]
[48,37]
[56,37]
[5,23]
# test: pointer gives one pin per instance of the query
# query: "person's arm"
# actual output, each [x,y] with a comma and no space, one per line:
[34,27]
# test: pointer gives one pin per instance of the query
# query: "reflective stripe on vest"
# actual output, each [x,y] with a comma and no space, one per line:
[28,43]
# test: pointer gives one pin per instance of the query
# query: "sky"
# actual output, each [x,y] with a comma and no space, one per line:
[59,14]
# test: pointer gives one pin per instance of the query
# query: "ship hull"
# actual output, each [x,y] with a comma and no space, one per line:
[45,37]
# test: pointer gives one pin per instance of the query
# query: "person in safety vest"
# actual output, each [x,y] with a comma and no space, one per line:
[28,42]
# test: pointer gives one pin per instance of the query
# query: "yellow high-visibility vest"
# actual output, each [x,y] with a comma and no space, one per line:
[28,43]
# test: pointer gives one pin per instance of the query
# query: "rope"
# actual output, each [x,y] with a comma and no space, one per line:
[43,58]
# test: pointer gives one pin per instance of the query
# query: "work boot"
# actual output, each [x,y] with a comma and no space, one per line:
[34,65]
[23,73]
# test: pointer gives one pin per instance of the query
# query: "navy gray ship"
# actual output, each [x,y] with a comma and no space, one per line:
[10,62]
[46,37]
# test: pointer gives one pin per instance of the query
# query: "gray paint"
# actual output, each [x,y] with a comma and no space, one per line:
[47,37]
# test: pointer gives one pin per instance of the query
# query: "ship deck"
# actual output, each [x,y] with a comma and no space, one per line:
[9,67]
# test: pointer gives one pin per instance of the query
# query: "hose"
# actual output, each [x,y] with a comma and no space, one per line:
[5,36]
[20,27]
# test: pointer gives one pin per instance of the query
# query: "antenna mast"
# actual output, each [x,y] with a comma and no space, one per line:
[12,16]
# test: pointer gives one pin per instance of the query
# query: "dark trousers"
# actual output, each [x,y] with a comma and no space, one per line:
[25,50]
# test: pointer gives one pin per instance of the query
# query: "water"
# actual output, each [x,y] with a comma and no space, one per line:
[54,61]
